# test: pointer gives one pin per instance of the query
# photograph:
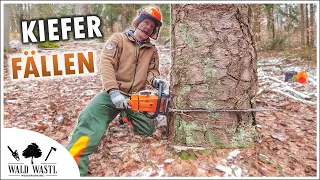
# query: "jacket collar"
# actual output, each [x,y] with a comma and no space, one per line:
[131,36]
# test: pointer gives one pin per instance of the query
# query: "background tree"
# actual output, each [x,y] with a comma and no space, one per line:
[123,17]
[302,25]
[164,35]
[268,8]
[307,23]
[214,65]
[113,11]
[65,10]
[256,21]
[32,151]
[312,29]
[6,28]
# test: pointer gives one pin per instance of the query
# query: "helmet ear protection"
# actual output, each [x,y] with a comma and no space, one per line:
[152,13]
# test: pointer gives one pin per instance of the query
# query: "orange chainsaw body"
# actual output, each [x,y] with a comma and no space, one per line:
[145,101]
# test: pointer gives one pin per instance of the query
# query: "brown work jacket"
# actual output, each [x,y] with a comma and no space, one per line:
[128,65]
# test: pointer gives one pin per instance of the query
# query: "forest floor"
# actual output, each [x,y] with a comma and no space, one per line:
[287,144]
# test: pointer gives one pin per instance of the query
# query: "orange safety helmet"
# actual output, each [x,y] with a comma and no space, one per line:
[152,13]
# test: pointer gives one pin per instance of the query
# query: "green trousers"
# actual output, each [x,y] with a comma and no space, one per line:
[94,120]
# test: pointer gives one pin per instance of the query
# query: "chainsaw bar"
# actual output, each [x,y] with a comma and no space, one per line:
[219,110]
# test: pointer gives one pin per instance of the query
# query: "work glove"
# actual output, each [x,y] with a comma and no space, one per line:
[118,99]
[156,83]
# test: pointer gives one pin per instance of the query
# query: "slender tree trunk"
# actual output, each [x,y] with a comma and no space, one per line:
[31,159]
[257,9]
[307,24]
[28,12]
[6,25]
[214,66]
[103,15]
[259,22]
[85,10]
[272,24]
[270,21]
[287,26]
[312,35]
[302,25]
[20,16]
[277,21]
[21,12]
[13,19]
[111,25]
[123,17]
[287,18]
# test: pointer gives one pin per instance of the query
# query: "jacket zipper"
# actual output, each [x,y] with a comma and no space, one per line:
[135,69]
[117,51]
[154,63]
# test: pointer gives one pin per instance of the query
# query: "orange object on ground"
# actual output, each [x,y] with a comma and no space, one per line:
[302,77]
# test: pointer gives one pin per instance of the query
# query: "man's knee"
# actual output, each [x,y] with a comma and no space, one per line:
[149,132]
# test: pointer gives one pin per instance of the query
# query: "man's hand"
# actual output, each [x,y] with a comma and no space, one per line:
[156,82]
[118,99]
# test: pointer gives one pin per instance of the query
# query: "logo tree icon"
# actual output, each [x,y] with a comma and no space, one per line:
[32,151]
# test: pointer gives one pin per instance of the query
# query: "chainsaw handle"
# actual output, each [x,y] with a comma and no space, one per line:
[160,90]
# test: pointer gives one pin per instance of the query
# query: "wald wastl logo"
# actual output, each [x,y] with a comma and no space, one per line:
[39,165]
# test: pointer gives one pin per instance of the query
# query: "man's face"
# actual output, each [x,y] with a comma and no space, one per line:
[146,28]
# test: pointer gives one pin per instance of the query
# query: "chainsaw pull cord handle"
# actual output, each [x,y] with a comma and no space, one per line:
[160,90]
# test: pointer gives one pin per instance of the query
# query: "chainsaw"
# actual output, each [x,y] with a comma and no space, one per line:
[14,154]
[147,102]
[150,102]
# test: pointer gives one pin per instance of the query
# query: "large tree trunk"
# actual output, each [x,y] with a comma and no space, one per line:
[302,23]
[214,65]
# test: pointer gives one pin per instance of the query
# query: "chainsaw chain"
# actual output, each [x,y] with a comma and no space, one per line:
[219,110]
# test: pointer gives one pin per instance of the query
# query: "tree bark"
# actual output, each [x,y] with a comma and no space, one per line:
[214,66]
[302,23]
